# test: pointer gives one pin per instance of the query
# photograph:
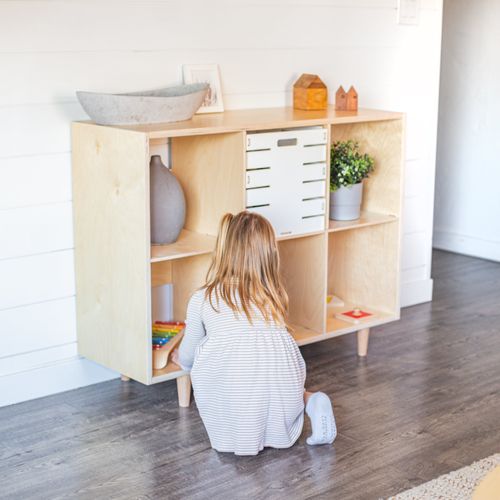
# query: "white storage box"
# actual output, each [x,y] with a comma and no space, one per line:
[286,172]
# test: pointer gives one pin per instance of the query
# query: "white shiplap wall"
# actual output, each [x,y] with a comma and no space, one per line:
[50,48]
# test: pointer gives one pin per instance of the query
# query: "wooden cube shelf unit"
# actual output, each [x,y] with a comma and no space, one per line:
[116,266]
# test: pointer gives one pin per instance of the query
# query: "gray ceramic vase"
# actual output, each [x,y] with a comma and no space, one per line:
[168,205]
[345,203]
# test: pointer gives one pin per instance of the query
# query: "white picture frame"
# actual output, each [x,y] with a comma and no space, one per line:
[209,73]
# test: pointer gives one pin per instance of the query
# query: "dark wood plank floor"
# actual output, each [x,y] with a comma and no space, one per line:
[425,402]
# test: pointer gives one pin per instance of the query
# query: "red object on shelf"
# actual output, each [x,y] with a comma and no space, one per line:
[357,314]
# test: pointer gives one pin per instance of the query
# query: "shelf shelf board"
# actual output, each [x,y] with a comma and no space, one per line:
[366,219]
[303,335]
[336,326]
[238,120]
[188,244]
[168,373]
[296,236]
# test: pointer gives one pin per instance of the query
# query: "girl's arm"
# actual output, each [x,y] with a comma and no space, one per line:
[194,331]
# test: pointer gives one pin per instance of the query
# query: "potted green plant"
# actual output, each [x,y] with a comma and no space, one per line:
[348,168]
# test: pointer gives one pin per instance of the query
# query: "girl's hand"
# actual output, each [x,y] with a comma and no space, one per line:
[175,356]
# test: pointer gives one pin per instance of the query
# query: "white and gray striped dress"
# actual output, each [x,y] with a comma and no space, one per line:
[248,380]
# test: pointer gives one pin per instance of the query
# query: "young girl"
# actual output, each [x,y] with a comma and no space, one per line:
[246,369]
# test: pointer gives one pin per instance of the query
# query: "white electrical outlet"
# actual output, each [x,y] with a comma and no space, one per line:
[408,11]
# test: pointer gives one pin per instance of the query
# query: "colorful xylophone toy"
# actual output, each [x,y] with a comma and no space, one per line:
[166,335]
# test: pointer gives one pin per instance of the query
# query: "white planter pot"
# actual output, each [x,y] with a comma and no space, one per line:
[345,203]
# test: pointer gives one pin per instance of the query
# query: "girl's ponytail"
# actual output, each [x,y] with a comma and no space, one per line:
[244,271]
[220,245]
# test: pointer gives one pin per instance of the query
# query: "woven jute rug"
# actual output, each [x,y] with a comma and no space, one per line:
[457,485]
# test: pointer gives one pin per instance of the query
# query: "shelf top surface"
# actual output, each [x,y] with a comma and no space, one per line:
[365,219]
[188,244]
[258,119]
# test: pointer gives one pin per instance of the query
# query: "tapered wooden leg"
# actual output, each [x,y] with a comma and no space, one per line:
[184,390]
[363,336]
[125,378]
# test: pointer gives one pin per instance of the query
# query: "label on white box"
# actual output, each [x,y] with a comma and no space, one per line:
[258,178]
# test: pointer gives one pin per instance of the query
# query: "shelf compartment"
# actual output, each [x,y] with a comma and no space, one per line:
[188,244]
[211,171]
[363,266]
[187,275]
[366,219]
[303,269]
[383,141]
[336,326]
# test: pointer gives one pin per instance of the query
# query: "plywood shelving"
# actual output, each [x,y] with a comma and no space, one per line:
[117,268]
[168,373]
[336,326]
[303,335]
[188,244]
[366,219]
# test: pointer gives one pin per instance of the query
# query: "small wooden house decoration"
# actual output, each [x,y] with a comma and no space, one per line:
[341,99]
[352,99]
[346,101]
[310,93]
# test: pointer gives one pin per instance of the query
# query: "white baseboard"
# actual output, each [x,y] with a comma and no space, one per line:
[50,379]
[467,245]
[416,292]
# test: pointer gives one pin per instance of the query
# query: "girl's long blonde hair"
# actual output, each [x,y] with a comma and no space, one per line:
[247,261]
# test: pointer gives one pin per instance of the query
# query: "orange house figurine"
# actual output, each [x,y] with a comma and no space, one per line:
[310,93]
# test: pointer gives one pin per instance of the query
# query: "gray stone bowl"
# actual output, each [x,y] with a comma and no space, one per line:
[171,104]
